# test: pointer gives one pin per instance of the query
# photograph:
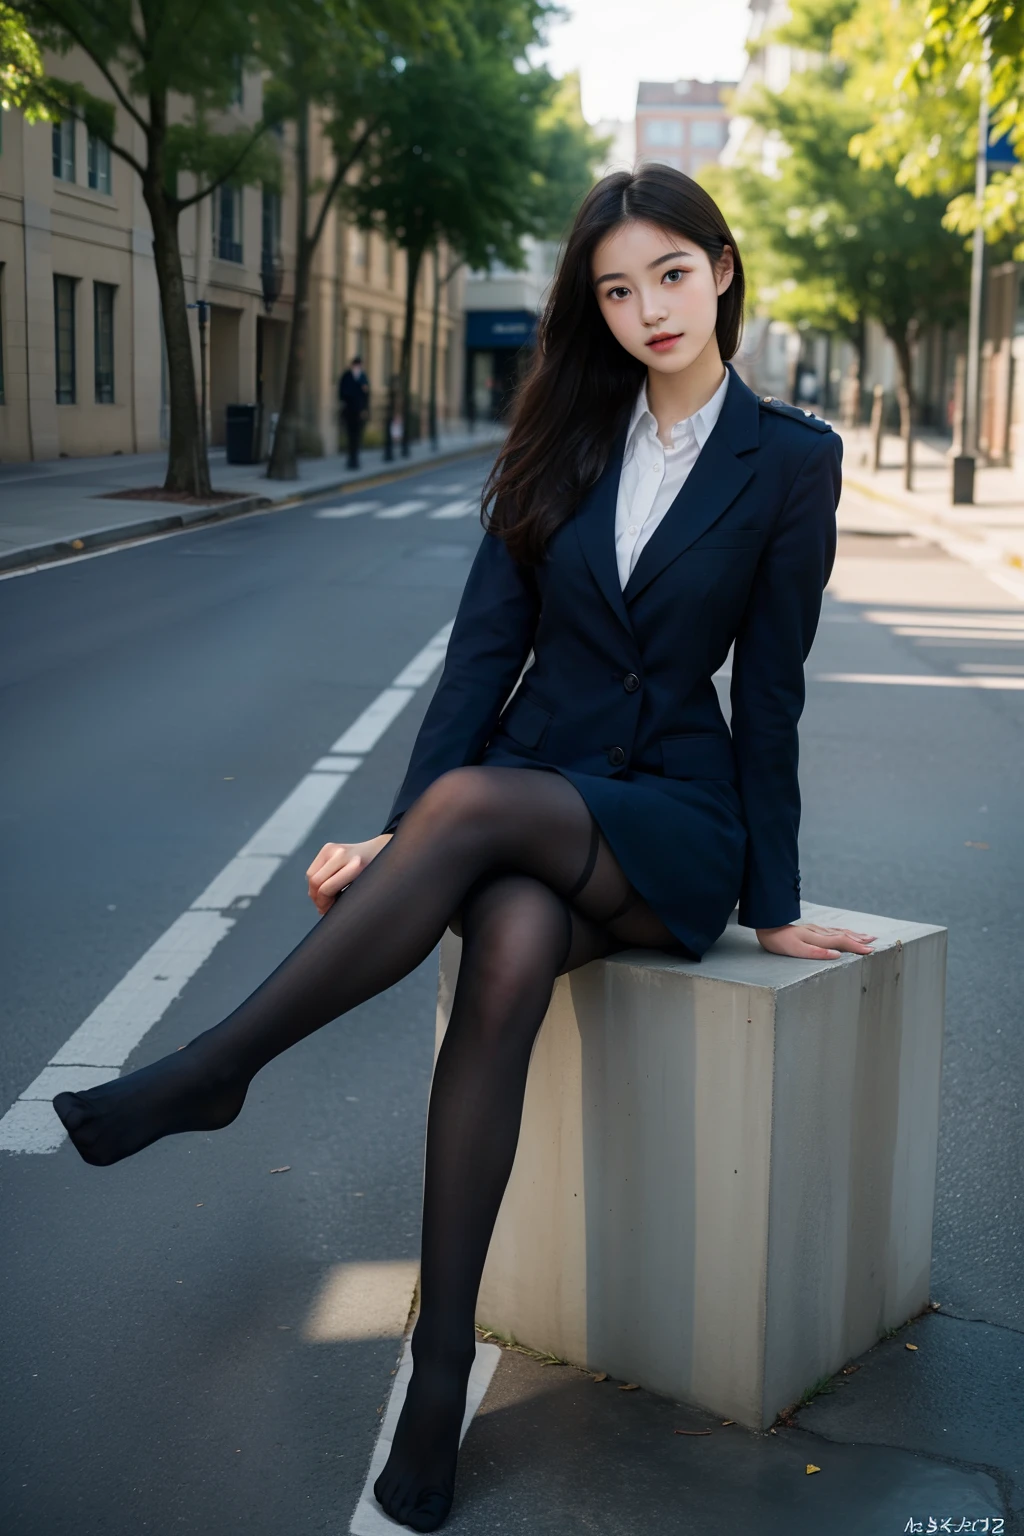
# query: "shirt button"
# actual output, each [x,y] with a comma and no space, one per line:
[616,757]
[631,682]
[631,530]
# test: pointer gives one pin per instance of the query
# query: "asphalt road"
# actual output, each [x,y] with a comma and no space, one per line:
[158,703]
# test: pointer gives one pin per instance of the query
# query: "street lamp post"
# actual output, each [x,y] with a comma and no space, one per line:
[203,308]
[964,462]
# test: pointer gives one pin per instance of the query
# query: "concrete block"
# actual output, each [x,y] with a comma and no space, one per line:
[725,1178]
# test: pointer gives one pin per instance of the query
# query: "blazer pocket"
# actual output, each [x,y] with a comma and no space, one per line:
[706,756]
[525,721]
[729,538]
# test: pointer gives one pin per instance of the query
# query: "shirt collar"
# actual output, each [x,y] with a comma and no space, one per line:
[702,421]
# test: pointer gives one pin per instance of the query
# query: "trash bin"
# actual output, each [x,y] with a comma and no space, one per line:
[240,433]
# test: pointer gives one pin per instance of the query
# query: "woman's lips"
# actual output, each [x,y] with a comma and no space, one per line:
[663,343]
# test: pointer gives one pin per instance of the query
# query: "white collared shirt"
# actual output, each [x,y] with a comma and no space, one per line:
[653,475]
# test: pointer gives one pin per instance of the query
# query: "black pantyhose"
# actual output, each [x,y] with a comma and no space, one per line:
[512,848]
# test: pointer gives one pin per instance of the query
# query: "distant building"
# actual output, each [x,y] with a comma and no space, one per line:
[502,308]
[82,357]
[683,123]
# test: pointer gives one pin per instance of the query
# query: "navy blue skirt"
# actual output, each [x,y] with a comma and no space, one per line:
[680,842]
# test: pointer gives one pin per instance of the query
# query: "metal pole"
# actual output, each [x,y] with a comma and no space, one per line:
[203,309]
[964,463]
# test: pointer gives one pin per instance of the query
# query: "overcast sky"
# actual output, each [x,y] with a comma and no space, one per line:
[616,43]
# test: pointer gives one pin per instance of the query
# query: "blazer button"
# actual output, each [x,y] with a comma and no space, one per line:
[631,682]
[616,757]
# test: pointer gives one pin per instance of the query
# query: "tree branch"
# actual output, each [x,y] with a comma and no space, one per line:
[340,173]
[186,202]
[126,101]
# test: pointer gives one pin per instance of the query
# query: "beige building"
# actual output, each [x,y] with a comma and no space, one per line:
[682,123]
[82,366]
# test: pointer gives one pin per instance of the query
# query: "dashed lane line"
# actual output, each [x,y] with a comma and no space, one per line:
[401,509]
[348,509]
[454,509]
[103,1042]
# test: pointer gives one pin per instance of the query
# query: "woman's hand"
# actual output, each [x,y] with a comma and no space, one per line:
[806,941]
[337,864]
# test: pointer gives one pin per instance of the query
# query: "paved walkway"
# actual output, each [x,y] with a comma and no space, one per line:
[988,534]
[56,507]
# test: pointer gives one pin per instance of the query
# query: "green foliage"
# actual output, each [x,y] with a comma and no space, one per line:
[21,67]
[834,238]
[920,66]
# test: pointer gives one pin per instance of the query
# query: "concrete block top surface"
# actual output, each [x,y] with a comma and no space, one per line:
[738,957]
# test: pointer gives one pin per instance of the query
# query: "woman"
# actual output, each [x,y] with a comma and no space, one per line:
[646,511]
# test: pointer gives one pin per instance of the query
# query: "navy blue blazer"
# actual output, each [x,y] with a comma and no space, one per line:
[620,696]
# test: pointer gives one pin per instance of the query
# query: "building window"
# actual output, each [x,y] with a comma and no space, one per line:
[389,263]
[270,242]
[663,130]
[64,338]
[99,164]
[2,401]
[227,224]
[706,135]
[103,341]
[64,149]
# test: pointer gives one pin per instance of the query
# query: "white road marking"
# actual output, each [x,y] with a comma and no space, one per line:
[369,1519]
[365,731]
[402,509]
[103,1041]
[447,490]
[920,680]
[454,509]
[348,509]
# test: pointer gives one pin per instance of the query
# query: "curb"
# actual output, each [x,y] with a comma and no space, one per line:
[172,522]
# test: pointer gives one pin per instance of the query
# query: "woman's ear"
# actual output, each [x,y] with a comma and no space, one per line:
[725,270]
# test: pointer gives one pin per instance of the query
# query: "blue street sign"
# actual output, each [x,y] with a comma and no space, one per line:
[1001,152]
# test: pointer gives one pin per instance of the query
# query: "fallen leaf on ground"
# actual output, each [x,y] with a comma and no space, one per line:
[286,1169]
[602,1377]
[910,1346]
[848,1370]
[630,1386]
[812,1468]
[199,1205]
[691,1431]
[728,1421]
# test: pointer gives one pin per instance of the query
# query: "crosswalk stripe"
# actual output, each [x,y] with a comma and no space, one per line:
[403,509]
[454,509]
[348,509]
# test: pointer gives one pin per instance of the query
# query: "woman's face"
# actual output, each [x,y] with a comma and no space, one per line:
[658,293]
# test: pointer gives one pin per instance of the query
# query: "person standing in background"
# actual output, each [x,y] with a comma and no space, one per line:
[354,399]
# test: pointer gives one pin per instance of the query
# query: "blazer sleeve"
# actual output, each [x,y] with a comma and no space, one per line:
[767,689]
[491,639]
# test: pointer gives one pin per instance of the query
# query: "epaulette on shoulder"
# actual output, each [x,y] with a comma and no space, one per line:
[783,408]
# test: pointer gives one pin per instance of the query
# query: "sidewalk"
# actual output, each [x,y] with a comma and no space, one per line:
[54,508]
[988,534]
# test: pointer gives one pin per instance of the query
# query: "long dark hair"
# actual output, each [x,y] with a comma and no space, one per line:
[581,384]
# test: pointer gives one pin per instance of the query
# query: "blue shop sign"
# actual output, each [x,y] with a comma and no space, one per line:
[1001,152]
[494,329]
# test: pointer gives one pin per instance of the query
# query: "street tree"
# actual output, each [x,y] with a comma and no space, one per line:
[921,64]
[465,157]
[832,223]
[334,60]
[173,71]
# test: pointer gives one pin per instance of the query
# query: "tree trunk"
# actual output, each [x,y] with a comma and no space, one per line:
[435,323]
[188,468]
[905,396]
[413,259]
[284,464]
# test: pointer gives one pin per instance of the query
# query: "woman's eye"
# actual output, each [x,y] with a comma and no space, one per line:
[616,293]
[674,274]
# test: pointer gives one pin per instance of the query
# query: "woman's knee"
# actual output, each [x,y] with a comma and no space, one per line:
[516,927]
[462,795]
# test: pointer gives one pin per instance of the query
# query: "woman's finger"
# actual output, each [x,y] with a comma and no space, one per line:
[342,877]
[326,852]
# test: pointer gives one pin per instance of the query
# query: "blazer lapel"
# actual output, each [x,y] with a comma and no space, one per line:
[595,526]
[711,487]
